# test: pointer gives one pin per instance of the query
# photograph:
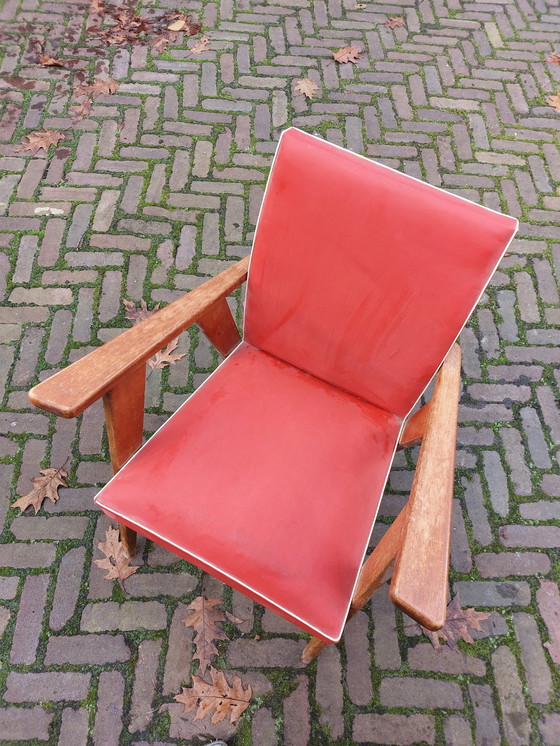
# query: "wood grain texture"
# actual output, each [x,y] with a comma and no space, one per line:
[73,389]
[376,570]
[124,418]
[218,325]
[414,428]
[419,584]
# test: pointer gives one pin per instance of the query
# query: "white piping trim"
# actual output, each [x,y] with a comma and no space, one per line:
[407,176]
[97,498]
[237,580]
[472,309]
[259,218]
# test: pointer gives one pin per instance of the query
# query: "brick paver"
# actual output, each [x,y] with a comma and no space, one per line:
[160,187]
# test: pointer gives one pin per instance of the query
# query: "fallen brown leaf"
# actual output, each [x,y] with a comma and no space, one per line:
[46,61]
[456,626]
[348,54]
[116,561]
[359,6]
[165,357]
[99,87]
[179,23]
[394,22]
[306,87]
[45,486]
[136,314]
[203,619]
[219,697]
[554,101]
[553,58]
[130,28]
[201,45]
[81,111]
[39,141]
[159,43]
[96,6]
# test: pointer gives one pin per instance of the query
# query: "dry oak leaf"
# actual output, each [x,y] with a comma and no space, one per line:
[394,22]
[46,61]
[218,697]
[39,141]
[136,314]
[456,626]
[165,357]
[348,54]
[99,87]
[307,87]
[553,58]
[116,560]
[181,22]
[81,111]
[45,486]
[554,101]
[96,6]
[203,619]
[159,44]
[201,45]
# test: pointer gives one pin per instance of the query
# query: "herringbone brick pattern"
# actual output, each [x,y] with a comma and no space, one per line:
[159,187]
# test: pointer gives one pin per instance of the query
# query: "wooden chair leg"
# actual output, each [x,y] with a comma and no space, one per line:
[375,571]
[128,538]
[124,417]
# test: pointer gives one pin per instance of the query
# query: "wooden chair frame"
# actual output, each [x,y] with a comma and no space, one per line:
[415,548]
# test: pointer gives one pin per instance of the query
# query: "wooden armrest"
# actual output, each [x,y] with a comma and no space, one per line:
[419,584]
[73,389]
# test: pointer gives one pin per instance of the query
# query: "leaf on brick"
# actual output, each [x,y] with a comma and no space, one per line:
[159,43]
[456,626]
[178,21]
[219,697]
[394,22]
[99,87]
[46,61]
[554,101]
[136,314]
[553,58]
[348,54]
[166,357]
[130,28]
[306,87]
[44,486]
[39,141]
[201,45]
[203,619]
[96,6]
[116,560]
[81,111]
[359,6]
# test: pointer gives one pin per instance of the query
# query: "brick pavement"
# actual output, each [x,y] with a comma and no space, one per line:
[160,187]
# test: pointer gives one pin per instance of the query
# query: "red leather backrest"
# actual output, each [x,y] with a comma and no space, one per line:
[364,276]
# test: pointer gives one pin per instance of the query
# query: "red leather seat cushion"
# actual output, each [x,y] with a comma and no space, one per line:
[270,479]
